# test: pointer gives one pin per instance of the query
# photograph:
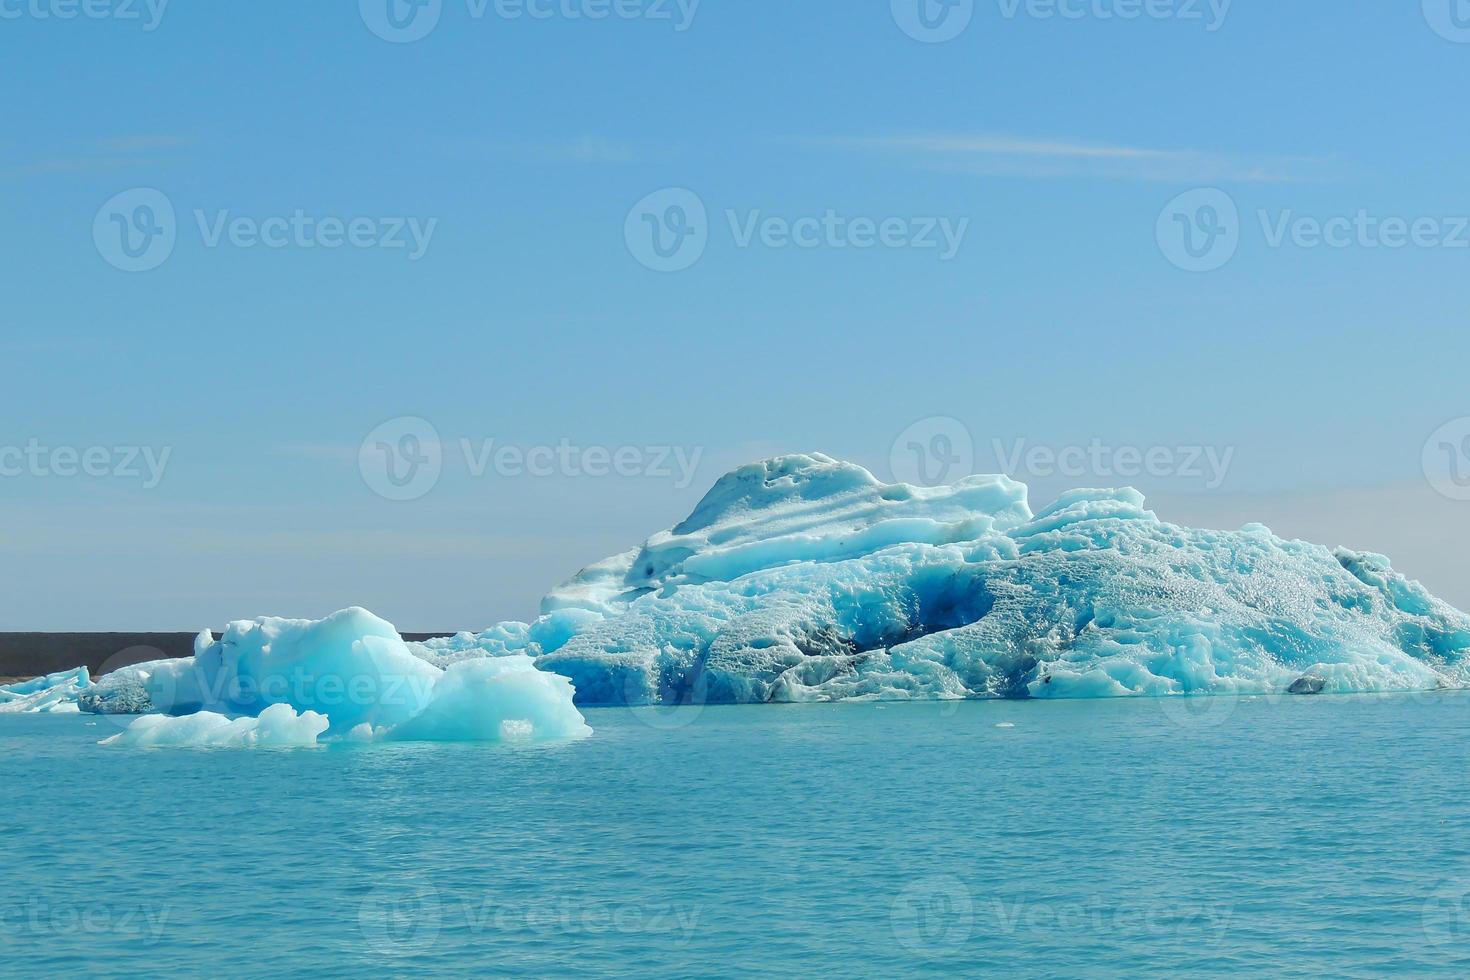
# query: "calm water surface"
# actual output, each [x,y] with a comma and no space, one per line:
[1295,837]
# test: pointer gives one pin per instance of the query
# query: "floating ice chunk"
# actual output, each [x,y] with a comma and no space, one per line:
[495,699]
[277,726]
[352,670]
[351,667]
[54,693]
[361,733]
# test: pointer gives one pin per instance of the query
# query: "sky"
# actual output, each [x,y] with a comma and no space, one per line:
[424,306]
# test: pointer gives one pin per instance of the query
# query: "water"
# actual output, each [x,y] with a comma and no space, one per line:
[1301,836]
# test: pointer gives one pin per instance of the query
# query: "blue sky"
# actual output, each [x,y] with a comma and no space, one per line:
[519,147]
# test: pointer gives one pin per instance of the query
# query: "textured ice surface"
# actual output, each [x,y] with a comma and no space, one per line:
[803,578]
[279,725]
[52,693]
[489,700]
[350,672]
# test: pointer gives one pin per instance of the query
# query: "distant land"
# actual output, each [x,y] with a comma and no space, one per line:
[26,655]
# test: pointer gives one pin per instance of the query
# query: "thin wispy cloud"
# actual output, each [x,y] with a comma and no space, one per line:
[94,156]
[145,141]
[322,452]
[1001,155]
[583,149]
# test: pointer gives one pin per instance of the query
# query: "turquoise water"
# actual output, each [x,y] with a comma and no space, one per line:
[1301,836]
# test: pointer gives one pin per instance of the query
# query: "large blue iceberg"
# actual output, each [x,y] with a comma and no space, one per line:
[804,578]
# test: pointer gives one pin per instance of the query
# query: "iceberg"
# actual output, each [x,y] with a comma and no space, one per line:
[349,676]
[278,726]
[43,695]
[805,578]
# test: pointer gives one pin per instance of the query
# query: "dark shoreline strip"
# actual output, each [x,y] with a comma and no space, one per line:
[27,655]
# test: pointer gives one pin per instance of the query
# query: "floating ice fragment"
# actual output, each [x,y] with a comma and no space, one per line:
[278,726]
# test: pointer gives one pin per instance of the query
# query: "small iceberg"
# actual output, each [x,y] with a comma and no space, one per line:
[57,693]
[349,676]
[278,726]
